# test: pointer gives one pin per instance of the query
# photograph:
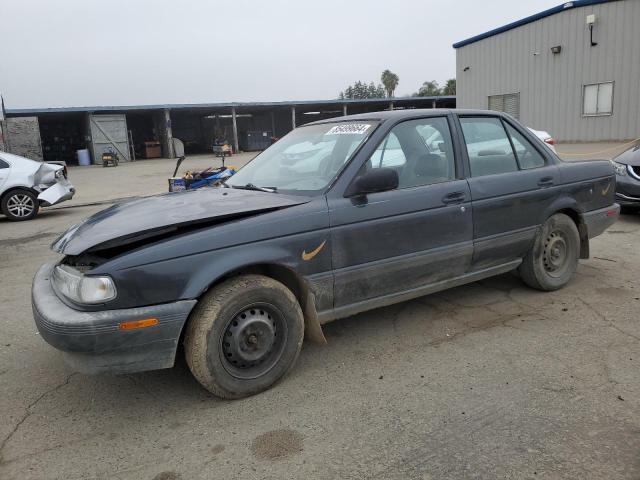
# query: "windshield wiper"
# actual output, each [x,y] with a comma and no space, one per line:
[251,186]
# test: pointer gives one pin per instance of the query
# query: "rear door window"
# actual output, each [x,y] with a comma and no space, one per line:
[488,146]
[528,156]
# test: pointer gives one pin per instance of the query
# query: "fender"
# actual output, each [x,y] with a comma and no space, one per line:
[273,260]
[564,202]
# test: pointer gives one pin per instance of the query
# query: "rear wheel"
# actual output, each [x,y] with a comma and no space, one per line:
[553,259]
[243,336]
[19,205]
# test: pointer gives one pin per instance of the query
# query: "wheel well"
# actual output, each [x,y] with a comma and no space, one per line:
[14,189]
[582,230]
[282,274]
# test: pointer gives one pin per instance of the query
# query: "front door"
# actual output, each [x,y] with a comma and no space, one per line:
[392,242]
[511,183]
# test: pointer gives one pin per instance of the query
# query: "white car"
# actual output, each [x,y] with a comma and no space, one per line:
[26,185]
[545,137]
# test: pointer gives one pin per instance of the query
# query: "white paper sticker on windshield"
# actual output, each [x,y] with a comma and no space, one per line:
[349,129]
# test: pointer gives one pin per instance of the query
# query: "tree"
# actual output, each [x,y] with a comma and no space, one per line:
[390,81]
[360,90]
[428,89]
[450,87]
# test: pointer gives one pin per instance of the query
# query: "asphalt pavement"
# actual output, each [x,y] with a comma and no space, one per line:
[490,380]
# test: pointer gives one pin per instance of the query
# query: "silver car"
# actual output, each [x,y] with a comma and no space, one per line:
[27,185]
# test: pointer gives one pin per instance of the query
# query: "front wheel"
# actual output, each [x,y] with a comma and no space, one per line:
[243,336]
[553,258]
[19,205]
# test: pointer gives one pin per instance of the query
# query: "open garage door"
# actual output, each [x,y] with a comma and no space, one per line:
[109,131]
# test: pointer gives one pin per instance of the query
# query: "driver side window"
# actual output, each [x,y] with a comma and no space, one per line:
[421,151]
[388,154]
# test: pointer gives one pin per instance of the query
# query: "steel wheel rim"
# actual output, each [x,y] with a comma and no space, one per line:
[555,256]
[20,205]
[253,341]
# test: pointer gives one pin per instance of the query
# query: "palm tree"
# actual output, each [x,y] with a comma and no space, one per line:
[428,89]
[450,87]
[390,81]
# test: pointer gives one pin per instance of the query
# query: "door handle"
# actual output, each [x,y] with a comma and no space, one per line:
[545,182]
[454,197]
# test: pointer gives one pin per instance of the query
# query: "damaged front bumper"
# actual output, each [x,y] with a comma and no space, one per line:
[94,342]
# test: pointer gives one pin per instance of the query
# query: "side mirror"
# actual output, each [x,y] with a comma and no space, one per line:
[376,180]
[178,147]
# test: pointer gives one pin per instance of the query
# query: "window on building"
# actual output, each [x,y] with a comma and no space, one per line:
[507,103]
[597,99]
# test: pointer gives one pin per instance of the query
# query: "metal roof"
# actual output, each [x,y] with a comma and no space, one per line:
[185,106]
[530,19]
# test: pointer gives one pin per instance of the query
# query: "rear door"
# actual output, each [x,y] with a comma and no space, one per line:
[512,184]
[421,233]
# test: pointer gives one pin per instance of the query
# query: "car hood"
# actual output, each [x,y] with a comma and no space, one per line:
[630,156]
[150,217]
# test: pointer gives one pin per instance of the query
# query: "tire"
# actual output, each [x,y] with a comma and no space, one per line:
[249,311]
[20,205]
[553,258]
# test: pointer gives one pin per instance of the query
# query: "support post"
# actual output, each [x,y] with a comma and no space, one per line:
[390,105]
[168,133]
[433,103]
[236,145]
[273,124]
[293,116]
[344,110]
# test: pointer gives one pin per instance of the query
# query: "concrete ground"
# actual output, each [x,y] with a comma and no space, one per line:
[587,151]
[490,380]
[97,184]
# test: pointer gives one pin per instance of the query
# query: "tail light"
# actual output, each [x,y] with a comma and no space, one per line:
[549,141]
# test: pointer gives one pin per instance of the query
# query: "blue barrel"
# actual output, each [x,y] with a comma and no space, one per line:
[83,157]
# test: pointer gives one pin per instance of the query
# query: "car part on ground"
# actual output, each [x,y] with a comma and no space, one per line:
[405,204]
[26,185]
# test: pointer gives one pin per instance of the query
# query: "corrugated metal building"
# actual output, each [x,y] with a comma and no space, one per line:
[572,70]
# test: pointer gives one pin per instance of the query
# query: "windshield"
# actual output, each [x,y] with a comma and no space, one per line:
[305,160]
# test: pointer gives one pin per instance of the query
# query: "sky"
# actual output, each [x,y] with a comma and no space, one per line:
[134,52]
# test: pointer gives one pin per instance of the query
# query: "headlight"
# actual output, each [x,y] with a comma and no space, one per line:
[82,289]
[619,168]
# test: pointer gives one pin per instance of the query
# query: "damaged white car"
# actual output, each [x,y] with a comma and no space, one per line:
[27,185]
